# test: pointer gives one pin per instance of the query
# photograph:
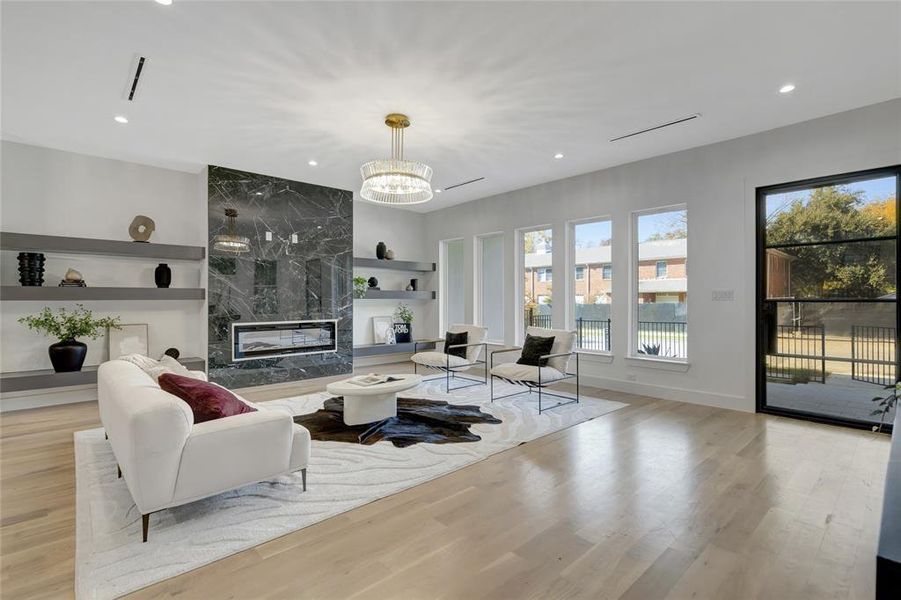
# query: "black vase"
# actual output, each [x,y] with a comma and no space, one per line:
[162,275]
[373,283]
[67,355]
[380,250]
[414,283]
[31,268]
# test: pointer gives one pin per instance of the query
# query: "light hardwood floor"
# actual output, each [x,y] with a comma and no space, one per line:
[657,500]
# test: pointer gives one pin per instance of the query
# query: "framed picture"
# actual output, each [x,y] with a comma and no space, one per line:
[383,330]
[130,339]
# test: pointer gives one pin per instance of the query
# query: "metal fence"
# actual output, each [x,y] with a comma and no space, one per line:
[593,334]
[800,354]
[663,338]
[873,354]
[535,319]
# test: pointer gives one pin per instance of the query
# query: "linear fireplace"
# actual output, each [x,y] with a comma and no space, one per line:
[283,338]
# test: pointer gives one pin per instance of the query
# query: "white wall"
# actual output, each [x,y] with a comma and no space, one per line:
[404,232]
[717,183]
[51,192]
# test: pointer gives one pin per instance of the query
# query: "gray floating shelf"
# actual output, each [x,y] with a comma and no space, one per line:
[398,295]
[377,349]
[38,380]
[27,242]
[394,265]
[21,293]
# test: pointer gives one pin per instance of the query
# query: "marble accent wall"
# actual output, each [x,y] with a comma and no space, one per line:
[282,279]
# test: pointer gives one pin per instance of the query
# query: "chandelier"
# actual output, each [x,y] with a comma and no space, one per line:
[395,180]
[231,241]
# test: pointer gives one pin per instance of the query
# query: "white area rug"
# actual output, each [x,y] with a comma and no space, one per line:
[111,560]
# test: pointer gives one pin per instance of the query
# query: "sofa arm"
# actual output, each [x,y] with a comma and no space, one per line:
[227,453]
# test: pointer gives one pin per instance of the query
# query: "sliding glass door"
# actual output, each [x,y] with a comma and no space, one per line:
[827,309]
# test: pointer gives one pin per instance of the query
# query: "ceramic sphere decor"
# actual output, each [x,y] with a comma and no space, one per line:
[141,228]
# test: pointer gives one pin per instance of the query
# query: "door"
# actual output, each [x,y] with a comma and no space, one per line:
[827,308]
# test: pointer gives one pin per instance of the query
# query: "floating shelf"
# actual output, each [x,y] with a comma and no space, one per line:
[38,380]
[21,293]
[393,265]
[398,295]
[377,349]
[27,242]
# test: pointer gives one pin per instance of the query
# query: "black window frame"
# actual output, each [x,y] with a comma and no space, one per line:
[760,287]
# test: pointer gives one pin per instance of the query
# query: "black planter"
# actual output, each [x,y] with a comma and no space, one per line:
[67,355]
[373,283]
[414,283]
[380,250]
[403,333]
[162,275]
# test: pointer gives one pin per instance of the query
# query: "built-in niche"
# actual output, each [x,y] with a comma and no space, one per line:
[297,267]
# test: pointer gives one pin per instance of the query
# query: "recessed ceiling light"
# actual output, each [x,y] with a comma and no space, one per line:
[120,119]
[164,2]
[558,156]
[788,87]
[438,191]
[312,163]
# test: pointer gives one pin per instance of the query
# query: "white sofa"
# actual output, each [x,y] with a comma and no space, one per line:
[167,460]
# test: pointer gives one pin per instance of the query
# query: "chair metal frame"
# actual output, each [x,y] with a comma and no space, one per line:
[540,385]
[449,371]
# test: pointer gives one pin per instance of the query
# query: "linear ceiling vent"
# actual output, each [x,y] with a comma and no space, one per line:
[456,185]
[656,127]
[132,84]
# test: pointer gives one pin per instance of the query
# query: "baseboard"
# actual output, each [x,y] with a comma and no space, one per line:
[40,398]
[666,392]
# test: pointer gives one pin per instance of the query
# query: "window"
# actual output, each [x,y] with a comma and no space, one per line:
[607,272]
[827,312]
[591,246]
[537,292]
[660,284]
[490,279]
[453,285]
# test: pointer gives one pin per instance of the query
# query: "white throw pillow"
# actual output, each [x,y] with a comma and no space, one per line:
[155,368]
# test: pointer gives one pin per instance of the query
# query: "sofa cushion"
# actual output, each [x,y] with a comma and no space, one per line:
[438,359]
[518,372]
[453,339]
[533,349]
[564,341]
[208,401]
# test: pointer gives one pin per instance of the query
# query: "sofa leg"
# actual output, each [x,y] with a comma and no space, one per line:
[119,469]
[303,477]
[145,525]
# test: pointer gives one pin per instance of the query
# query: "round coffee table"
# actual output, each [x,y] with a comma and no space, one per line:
[369,404]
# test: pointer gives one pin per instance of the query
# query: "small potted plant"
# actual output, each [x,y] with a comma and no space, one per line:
[885,405]
[403,324]
[360,285]
[68,353]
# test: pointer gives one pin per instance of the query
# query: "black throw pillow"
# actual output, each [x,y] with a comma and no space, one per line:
[452,339]
[534,348]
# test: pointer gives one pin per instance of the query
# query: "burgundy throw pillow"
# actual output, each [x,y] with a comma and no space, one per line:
[207,401]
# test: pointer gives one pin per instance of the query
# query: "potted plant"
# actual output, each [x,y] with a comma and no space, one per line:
[68,353]
[403,328]
[360,285]
[885,405]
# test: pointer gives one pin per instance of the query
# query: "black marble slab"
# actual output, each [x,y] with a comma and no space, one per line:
[304,272]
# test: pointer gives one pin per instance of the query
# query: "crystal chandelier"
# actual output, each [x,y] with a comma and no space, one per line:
[231,241]
[395,180]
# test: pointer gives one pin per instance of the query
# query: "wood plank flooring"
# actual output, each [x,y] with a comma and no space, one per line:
[657,500]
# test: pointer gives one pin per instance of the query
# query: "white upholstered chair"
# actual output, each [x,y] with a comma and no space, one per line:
[452,365]
[539,378]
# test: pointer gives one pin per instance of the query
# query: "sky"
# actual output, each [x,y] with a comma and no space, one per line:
[592,234]
[874,190]
[662,223]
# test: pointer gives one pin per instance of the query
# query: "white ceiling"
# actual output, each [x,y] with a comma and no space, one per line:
[493,89]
